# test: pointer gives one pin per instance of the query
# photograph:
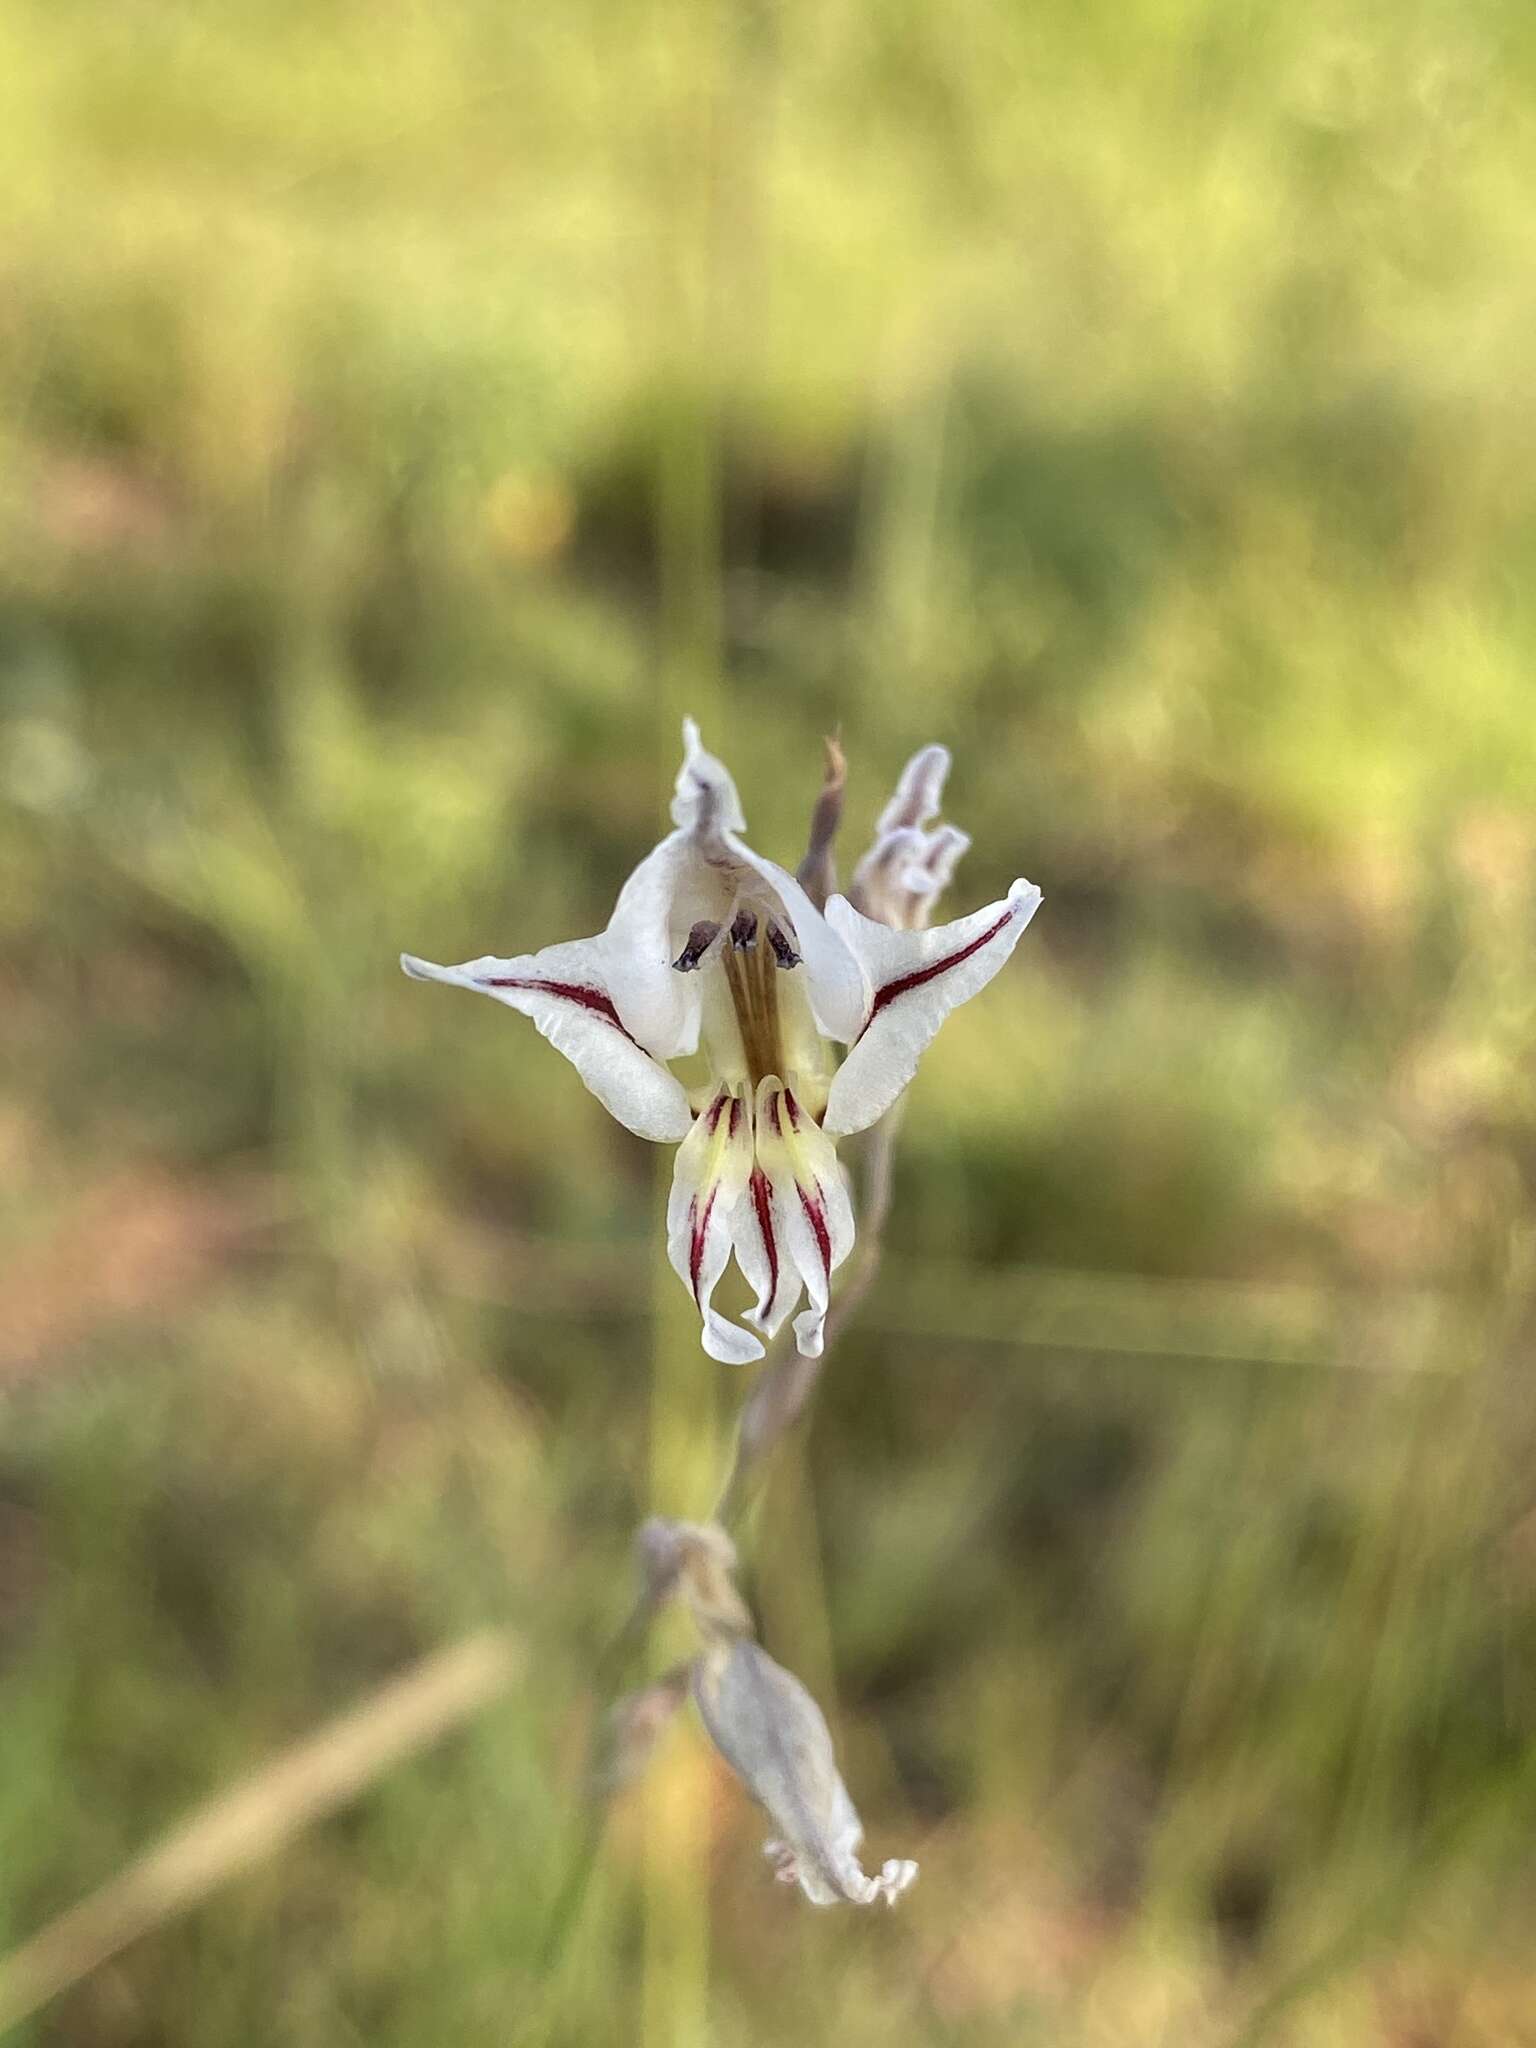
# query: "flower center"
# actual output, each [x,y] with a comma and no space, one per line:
[754,954]
[755,1037]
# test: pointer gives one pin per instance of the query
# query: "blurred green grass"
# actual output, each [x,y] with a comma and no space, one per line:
[1135,399]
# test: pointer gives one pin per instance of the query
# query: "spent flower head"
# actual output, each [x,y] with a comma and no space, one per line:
[775,1738]
[763,1722]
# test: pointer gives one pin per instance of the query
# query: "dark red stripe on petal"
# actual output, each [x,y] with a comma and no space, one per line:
[597,1000]
[698,1232]
[762,1203]
[816,1216]
[920,976]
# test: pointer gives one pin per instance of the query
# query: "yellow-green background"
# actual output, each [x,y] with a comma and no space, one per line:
[405,411]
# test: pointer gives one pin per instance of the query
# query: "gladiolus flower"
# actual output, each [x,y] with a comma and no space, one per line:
[712,946]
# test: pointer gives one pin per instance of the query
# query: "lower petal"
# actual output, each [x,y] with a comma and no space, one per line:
[713,1164]
[802,1217]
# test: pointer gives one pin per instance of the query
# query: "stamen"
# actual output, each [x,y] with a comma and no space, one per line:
[750,976]
[700,939]
[784,953]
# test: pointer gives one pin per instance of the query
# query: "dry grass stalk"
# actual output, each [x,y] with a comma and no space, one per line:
[259,1816]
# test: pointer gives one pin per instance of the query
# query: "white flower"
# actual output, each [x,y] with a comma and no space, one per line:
[712,945]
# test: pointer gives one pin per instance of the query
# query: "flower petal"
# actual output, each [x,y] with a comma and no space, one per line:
[689,876]
[762,1257]
[659,1006]
[713,1163]
[796,1225]
[835,982]
[705,804]
[707,812]
[564,990]
[917,978]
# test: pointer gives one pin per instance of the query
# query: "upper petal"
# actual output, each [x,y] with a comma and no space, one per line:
[708,814]
[917,978]
[705,803]
[689,876]
[565,991]
[659,1006]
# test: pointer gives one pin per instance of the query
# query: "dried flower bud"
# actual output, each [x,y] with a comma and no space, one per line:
[817,873]
[908,866]
[775,1738]
[636,1723]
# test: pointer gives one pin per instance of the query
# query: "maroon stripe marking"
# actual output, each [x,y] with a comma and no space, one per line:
[698,1227]
[784,1104]
[816,1216]
[585,998]
[762,1204]
[933,970]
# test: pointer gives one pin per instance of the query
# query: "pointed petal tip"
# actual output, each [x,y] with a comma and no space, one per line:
[766,1326]
[419,970]
[704,802]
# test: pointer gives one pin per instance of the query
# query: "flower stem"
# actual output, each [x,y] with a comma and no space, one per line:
[674,1984]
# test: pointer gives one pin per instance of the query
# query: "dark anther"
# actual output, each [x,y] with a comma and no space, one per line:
[783,952]
[700,939]
[744,931]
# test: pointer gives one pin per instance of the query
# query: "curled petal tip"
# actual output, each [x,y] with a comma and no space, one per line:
[418,970]
[728,1344]
[810,1332]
